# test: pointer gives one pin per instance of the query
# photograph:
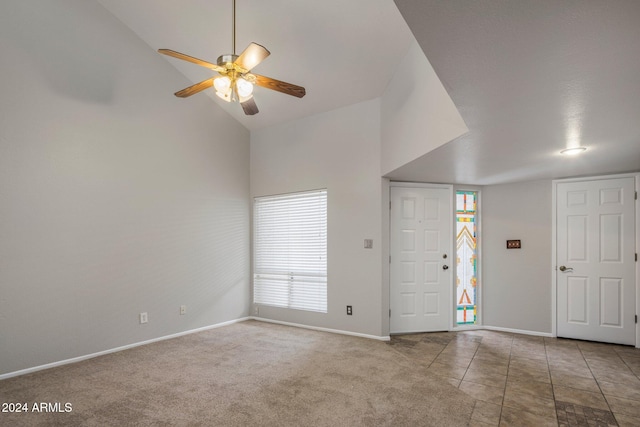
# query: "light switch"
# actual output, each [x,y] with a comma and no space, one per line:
[368,243]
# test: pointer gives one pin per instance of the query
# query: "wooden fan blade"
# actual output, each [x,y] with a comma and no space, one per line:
[284,87]
[191,59]
[249,106]
[252,56]
[198,87]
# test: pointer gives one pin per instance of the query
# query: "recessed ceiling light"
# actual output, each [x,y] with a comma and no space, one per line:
[573,151]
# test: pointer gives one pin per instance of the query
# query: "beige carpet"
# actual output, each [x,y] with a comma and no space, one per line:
[246,374]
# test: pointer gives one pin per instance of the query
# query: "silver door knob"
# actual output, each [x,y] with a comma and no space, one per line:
[445,267]
[563,268]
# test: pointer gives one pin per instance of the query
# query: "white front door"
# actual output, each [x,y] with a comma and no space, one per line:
[421,250]
[595,264]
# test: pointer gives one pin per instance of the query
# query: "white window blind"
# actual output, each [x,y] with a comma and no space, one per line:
[290,251]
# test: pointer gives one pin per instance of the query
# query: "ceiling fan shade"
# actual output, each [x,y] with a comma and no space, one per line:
[235,81]
[244,87]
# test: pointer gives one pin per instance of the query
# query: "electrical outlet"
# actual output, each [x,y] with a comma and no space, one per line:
[183,309]
[143,317]
[349,310]
[256,311]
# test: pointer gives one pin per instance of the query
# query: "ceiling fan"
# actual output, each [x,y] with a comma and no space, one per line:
[235,80]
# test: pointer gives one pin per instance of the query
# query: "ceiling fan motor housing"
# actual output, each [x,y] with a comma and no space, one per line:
[227,61]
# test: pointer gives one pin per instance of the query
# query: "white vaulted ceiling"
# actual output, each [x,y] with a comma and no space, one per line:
[529,77]
[342,52]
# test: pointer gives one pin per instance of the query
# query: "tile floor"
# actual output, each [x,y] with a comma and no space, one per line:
[520,380]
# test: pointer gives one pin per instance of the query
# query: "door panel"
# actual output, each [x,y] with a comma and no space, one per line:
[420,235]
[577,290]
[611,302]
[595,260]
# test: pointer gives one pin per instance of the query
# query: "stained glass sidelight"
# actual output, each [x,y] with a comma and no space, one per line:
[466,257]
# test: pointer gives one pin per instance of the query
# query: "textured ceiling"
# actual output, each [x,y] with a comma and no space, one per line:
[529,79]
[342,52]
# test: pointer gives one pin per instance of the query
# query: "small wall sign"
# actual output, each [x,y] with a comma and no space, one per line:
[513,244]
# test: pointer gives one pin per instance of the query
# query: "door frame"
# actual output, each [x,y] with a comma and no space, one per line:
[452,238]
[554,246]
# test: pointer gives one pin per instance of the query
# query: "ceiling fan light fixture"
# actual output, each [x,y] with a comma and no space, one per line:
[242,98]
[573,151]
[244,88]
[235,81]
[222,84]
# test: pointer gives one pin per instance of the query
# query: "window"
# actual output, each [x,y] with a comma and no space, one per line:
[466,257]
[290,251]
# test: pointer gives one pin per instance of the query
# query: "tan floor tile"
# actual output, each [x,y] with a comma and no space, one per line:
[632,362]
[491,359]
[619,366]
[441,379]
[564,357]
[493,350]
[542,357]
[624,406]
[529,355]
[580,397]
[482,377]
[485,412]
[476,423]
[516,378]
[522,374]
[531,388]
[442,370]
[593,349]
[408,337]
[483,392]
[459,351]
[525,402]
[570,414]
[577,371]
[627,420]
[462,347]
[520,363]
[616,377]
[568,364]
[514,417]
[626,391]
[449,360]
[496,346]
[573,381]
[488,367]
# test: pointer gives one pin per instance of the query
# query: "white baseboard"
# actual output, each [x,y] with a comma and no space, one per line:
[114,350]
[517,331]
[242,319]
[317,328]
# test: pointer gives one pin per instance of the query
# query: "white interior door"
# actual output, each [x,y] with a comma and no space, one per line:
[421,273]
[595,260]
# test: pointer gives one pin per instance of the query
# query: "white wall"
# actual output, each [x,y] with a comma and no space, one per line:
[516,283]
[340,151]
[418,115]
[115,196]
